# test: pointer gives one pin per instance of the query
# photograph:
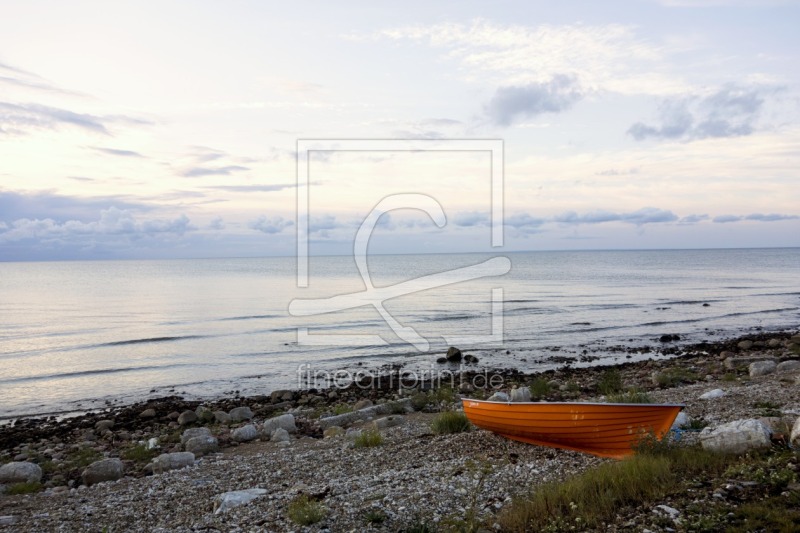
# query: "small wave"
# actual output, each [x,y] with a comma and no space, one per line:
[94,372]
[442,318]
[247,317]
[148,340]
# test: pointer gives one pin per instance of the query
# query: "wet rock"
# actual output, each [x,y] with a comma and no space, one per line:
[174,415]
[521,394]
[187,417]
[762,368]
[191,433]
[667,512]
[103,470]
[20,472]
[244,433]
[172,461]
[202,445]
[441,360]
[710,395]
[738,436]
[240,414]
[499,396]
[453,354]
[285,422]
[148,413]
[669,338]
[222,417]
[229,500]
[281,396]
[333,431]
[280,435]
[470,359]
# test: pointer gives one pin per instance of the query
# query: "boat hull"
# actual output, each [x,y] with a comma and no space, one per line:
[603,429]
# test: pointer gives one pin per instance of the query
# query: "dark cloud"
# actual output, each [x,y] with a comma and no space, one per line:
[724,219]
[730,112]
[196,172]
[50,205]
[116,151]
[269,225]
[772,217]
[511,103]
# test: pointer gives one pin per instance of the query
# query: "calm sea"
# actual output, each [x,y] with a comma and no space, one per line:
[76,334]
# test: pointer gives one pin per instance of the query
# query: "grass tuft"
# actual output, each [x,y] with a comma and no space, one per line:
[610,382]
[304,511]
[368,438]
[673,377]
[375,516]
[139,453]
[540,388]
[23,488]
[631,396]
[342,408]
[450,422]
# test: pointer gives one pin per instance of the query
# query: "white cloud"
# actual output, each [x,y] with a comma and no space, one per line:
[269,225]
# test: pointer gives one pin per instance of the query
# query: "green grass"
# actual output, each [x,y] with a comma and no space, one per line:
[396,408]
[419,525]
[23,488]
[728,377]
[83,457]
[610,382]
[777,514]
[444,394]
[631,396]
[450,422]
[572,386]
[420,401]
[368,439]
[540,388]
[375,516]
[673,377]
[342,408]
[304,511]
[139,453]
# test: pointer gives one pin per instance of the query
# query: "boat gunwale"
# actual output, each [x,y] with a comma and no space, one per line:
[681,405]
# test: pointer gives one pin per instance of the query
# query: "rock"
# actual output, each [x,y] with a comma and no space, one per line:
[352,434]
[794,439]
[244,433]
[362,404]
[102,470]
[285,422]
[194,432]
[21,457]
[499,396]
[453,355]
[20,472]
[681,421]
[521,394]
[281,396]
[239,414]
[738,436]
[174,415]
[103,425]
[787,367]
[710,395]
[333,431]
[669,338]
[222,417]
[172,461]
[762,368]
[745,345]
[667,512]
[441,360]
[366,413]
[202,445]
[187,417]
[153,444]
[229,500]
[732,363]
[148,413]
[470,359]
[8,520]
[774,343]
[389,422]
[280,435]
[204,414]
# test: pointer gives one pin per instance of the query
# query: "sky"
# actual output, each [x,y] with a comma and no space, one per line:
[170,129]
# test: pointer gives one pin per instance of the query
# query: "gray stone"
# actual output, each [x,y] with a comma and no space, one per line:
[774,343]
[787,367]
[280,435]
[745,345]
[364,414]
[244,433]
[103,425]
[285,422]
[187,417]
[238,414]
[794,439]
[333,431]
[103,470]
[172,461]
[204,414]
[229,500]
[710,395]
[202,445]
[499,396]
[389,422]
[20,472]
[352,433]
[194,432]
[281,396]
[762,368]
[362,404]
[148,413]
[681,421]
[470,359]
[8,520]
[222,417]
[521,394]
[737,437]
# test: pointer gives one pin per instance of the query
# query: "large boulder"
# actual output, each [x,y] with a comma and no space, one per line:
[204,414]
[244,433]
[762,368]
[103,425]
[172,461]
[194,432]
[738,436]
[787,367]
[103,470]
[202,445]
[521,394]
[280,435]
[222,417]
[20,472]
[453,354]
[499,396]
[238,414]
[285,422]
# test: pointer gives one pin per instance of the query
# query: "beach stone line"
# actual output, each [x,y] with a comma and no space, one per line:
[20,472]
[736,437]
[172,461]
[194,432]
[239,414]
[762,368]
[774,343]
[202,445]
[364,414]
[284,422]
[244,433]
[187,417]
[745,345]
[281,396]
[453,354]
[103,470]
[222,417]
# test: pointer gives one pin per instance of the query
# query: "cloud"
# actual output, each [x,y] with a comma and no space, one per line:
[50,205]
[269,225]
[724,219]
[510,103]
[730,112]
[218,171]
[692,219]
[470,219]
[617,172]
[216,224]
[253,188]
[27,80]
[772,217]
[646,215]
[16,119]
[116,151]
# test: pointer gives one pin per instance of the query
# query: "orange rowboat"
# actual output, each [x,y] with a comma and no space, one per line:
[604,429]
